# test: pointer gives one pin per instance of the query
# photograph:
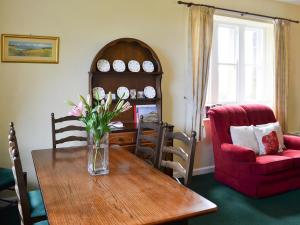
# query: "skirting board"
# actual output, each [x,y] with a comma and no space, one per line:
[200,171]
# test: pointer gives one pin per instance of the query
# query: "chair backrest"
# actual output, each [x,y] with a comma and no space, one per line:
[149,152]
[64,129]
[20,182]
[186,155]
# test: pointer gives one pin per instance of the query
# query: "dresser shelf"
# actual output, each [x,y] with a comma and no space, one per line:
[126,73]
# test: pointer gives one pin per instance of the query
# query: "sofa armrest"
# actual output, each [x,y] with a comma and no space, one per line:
[291,142]
[238,153]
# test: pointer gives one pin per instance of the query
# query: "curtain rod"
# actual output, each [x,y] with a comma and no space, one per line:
[189,4]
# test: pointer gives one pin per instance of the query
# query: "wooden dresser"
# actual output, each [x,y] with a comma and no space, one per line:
[127,49]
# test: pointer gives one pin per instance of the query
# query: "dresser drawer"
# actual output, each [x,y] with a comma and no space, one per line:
[122,138]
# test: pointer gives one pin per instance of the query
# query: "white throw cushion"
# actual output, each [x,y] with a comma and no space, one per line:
[276,127]
[267,140]
[244,136]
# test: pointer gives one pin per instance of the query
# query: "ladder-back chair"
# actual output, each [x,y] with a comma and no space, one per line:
[186,155]
[30,204]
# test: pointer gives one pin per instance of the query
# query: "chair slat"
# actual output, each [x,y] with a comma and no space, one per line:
[175,166]
[146,150]
[182,137]
[69,128]
[70,138]
[177,151]
[152,139]
[66,118]
[149,125]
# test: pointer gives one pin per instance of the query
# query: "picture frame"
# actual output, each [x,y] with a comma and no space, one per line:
[29,48]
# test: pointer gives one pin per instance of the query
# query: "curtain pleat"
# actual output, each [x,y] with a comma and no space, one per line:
[200,45]
[282,28]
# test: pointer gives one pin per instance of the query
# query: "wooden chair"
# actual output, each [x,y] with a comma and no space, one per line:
[185,155]
[149,152]
[68,128]
[30,204]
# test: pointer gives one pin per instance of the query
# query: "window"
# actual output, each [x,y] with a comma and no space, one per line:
[241,62]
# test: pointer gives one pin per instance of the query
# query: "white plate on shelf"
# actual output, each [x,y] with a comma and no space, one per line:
[148,66]
[123,92]
[134,66]
[149,92]
[119,65]
[98,92]
[103,65]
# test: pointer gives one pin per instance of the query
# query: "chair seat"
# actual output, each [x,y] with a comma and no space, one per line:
[6,178]
[36,204]
[44,222]
[268,164]
[294,154]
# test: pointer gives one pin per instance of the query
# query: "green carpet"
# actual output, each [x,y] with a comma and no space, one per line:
[234,208]
[237,209]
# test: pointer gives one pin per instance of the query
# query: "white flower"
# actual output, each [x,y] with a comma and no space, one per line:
[89,100]
[119,106]
[108,101]
[126,107]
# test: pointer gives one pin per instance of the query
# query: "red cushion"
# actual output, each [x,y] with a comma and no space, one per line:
[267,164]
[294,154]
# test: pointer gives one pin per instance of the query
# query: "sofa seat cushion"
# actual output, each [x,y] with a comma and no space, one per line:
[294,154]
[268,164]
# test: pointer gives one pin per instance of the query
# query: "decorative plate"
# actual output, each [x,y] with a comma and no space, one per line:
[98,92]
[149,92]
[119,66]
[148,66]
[103,65]
[123,92]
[134,66]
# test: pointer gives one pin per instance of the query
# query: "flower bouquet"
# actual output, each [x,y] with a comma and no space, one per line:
[97,118]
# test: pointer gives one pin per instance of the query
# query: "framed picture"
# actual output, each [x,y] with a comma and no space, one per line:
[29,48]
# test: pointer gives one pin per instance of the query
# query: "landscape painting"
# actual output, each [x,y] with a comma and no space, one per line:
[22,48]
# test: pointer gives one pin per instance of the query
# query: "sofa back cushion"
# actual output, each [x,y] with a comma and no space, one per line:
[259,114]
[222,118]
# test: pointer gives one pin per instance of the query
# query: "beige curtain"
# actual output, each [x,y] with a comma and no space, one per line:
[200,44]
[281,70]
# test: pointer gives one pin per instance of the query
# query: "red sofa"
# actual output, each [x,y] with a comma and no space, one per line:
[239,167]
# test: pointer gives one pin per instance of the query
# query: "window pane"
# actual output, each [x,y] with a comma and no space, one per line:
[250,83]
[226,44]
[227,83]
[253,46]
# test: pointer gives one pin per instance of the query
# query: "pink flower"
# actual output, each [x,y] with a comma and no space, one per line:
[77,110]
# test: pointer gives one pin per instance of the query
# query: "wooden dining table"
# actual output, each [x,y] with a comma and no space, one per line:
[132,193]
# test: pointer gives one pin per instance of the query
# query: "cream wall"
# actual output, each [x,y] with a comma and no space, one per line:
[30,92]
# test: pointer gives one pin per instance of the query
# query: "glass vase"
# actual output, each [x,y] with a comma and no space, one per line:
[98,160]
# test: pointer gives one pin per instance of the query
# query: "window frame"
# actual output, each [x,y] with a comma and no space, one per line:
[239,64]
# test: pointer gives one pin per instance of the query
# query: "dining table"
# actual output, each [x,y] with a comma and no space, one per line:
[133,192]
